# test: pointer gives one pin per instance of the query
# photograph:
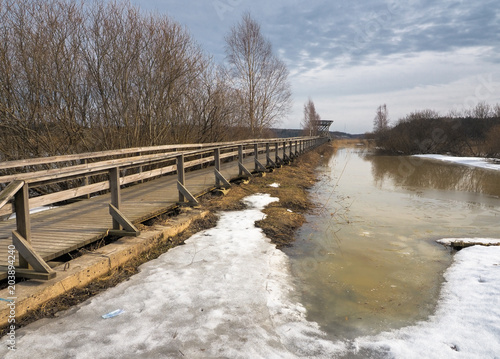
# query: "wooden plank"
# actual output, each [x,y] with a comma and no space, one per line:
[68,194]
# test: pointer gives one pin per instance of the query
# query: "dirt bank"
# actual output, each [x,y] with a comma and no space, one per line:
[283,218]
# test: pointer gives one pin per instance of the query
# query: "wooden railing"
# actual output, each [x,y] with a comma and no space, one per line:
[57,179]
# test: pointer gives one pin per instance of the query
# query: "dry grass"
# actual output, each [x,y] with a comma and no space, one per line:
[286,216]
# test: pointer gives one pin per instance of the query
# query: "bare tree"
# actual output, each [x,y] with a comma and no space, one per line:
[311,119]
[482,110]
[381,120]
[260,76]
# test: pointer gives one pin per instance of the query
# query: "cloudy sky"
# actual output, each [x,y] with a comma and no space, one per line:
[351,56]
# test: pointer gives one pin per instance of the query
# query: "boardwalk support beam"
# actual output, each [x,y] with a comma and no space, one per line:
[220,178]
[186,194]
[244,170]
[128,228]
[259,166]
[41,270]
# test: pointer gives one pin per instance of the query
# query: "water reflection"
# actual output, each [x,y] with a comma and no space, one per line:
[421,173]
[366,261]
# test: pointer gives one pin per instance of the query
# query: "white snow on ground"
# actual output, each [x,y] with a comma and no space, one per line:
[467,321]
[35,210]
[274,185]
[228,293]
[468,161]
[486,241]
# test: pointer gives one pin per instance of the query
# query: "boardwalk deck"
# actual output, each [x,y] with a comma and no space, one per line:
[67,228]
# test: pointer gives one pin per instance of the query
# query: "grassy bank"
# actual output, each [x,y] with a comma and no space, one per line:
[280,224]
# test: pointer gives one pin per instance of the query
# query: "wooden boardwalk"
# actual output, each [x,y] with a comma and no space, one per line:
[67,228]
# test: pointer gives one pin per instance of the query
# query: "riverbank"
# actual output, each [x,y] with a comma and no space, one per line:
[283,218]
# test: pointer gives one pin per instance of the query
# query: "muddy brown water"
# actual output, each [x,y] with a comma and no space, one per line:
[367,260]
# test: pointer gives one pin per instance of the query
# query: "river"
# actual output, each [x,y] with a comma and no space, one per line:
[367,261]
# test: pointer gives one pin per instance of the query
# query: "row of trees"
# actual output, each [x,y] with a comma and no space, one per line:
[473,132]
[78,76]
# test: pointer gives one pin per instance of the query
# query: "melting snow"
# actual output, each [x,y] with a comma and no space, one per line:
[468,161]
[467,321]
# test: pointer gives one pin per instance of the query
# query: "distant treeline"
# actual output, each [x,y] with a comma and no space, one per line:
[477,133]
[78,76]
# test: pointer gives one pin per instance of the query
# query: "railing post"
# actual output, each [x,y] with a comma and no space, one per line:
[180,174]
[86,178]
[290,149]
[217,165]
[140,167]
[256,155]
[240,158]
[276,154]
[268,153]
[114,186]
[284,151]
[23,224]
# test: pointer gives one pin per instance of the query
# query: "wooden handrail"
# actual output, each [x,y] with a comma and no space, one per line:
[55,175]
[135,150]
[10,191]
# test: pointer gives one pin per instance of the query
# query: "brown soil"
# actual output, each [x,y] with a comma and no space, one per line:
[282,220]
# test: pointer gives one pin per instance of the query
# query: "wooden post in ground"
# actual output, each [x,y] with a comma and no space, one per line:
[140,167]
[276,154]
[23,224]
[256,155]
[86,178]
[268,154]
[180,174]
[217,165]
[240,158]
[114,186]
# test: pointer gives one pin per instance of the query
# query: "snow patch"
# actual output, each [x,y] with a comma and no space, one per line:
[467,321]
[479,162]
[35,210]
[274,185]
